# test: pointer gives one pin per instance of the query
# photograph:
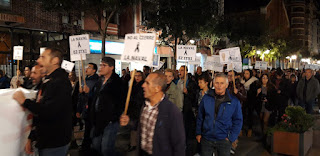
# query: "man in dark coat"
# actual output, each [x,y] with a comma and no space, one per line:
[160,128]
[52,106]
[106,108]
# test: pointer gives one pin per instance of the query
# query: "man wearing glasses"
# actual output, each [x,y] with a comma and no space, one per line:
[106,108]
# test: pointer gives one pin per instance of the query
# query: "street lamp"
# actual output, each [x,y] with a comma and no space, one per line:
[192,41]
[258,52]
[294,57]
[267,52]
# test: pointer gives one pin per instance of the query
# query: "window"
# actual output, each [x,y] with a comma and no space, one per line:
[297,9]
[297,31]
[5,4]
[297,20]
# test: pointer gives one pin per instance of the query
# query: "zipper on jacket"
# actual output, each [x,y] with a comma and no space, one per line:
[224,108]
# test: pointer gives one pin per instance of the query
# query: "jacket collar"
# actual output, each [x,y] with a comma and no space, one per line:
[228,96]
[57,73]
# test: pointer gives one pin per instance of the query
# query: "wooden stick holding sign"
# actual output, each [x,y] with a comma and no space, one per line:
[233,79]
[18,73]
[83,72]
[80,84]
[129,92]
[211,84]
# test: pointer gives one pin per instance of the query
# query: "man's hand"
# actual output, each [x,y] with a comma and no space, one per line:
[28,147]
[19,97]
[235,144]
[185,90]
[279,91]
[235,90]
[198,137]
[86,89]
[80,90]
[78,115]
[124,120]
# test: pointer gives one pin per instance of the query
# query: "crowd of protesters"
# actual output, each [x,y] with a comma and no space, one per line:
[170,112]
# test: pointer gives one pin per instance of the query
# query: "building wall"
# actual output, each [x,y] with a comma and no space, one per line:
[277,16]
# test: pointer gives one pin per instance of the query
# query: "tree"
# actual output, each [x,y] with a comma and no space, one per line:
[101,11]
[179,20]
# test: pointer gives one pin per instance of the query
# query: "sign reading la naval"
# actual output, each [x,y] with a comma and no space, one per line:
[186,52]
[139,48]
[79,47]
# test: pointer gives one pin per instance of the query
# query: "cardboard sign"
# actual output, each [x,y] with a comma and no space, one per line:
[79,47]
[156,60]
[18,52]
[139,48]
[197,61]
[261,65]
[42,49]
[230,55]
[160,66]
[245,67]
[213,63]
[186,52]
[235,66]
[66,65]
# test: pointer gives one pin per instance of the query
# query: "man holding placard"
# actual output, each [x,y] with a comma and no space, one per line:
[52,106]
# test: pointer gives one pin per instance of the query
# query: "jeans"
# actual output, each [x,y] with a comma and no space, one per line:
[105,143]
[59,151]
[307,105]
[221,147]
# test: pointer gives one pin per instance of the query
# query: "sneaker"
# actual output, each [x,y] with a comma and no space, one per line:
[232,151]
[319,111]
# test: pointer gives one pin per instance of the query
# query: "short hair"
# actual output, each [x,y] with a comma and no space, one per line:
[110,61]
[223,76]
[205,78]
[95,67]
[139,71]
[147,68]
[292,75]
[29,66]
[184,67]
[55,52]
[170,70]
[160,80]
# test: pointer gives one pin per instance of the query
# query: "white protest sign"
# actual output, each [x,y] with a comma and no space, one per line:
[139,48]
[213,63]
[245,67]
[18,52]
[160,66]
[235,66]
[66,65]
[42,49]
[79,47]
[307,66]
[197,61]
[15,124]
[186,52]
[230,55]
[156,60]
[261,65]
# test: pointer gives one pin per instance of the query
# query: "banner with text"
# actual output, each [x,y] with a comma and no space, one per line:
[230,55]
[186,52]
[262,65]
[79,47]
[139,48]
[18,52]
[213,63]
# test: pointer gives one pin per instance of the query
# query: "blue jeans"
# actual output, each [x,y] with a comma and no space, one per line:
[221,147]
[59,151]
[307,105]
[105,143]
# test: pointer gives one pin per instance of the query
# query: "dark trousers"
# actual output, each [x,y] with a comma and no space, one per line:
[307,105]
[221,147]
[86,137]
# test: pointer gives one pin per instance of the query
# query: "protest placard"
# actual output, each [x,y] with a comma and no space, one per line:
[236,66]
[18,52]
[139,48]
[262,65]
[66,65]
[186,52]
[156,60]
[213,63]
[79,47]
[230,55]
[42,49]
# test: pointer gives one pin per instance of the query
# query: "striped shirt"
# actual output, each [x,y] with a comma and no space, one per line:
[148,122]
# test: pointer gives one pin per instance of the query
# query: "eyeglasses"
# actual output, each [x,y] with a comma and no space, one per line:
[138,75]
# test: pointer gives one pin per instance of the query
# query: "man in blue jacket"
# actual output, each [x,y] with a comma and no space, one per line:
[219,120]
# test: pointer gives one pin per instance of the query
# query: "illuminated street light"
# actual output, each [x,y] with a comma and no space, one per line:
[267,52]
[258,52]
[288,57]
[294,57]
[192,41]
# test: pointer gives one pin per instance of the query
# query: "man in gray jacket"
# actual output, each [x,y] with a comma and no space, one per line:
[307,91]
[172,91]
